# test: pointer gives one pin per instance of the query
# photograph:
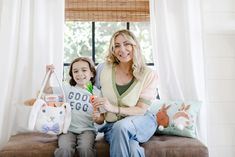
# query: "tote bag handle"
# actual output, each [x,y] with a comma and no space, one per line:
[45,81]
[39,102]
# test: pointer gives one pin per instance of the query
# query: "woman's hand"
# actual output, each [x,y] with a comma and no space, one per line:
[139,109]
[102,101]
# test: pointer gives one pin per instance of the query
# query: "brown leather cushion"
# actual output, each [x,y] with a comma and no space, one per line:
[30,145]
[174,146]
[163,146]
[43,145]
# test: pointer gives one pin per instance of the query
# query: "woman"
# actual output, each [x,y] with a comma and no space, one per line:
[128,87]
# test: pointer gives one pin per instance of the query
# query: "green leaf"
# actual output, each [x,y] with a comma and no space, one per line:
[89,87]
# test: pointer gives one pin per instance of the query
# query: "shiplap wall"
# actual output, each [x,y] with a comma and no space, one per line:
[219,46]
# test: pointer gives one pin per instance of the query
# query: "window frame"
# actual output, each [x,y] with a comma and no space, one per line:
[66,64]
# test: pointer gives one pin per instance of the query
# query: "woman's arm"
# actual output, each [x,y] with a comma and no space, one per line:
[97,77]
[148,93]
[139,109]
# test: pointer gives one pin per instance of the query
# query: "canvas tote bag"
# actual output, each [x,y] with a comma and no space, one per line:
[50,113]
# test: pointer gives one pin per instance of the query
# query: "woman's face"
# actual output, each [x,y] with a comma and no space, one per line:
[123,49]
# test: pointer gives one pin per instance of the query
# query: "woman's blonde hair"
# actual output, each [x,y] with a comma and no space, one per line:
[138,65]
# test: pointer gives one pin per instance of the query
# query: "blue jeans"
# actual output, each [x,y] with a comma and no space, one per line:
[125,135]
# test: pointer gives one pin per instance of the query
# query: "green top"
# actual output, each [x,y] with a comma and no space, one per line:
[122,88]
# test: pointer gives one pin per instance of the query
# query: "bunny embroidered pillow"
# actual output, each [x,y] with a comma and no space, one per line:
[176,117]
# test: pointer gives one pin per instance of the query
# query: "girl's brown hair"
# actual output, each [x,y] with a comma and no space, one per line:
[72,82]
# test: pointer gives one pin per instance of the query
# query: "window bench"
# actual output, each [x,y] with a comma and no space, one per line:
[43,145]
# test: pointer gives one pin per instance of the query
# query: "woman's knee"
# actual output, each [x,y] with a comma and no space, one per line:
[123,126]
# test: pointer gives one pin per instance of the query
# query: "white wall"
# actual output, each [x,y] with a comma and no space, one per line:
[219,46]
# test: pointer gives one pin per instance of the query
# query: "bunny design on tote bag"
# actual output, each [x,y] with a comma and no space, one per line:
[51,117]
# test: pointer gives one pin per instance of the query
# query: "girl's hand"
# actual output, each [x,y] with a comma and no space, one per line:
[50,67]
[99,119]
[95,116]
[48,88]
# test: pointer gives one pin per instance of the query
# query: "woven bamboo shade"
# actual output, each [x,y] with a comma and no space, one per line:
[107,10]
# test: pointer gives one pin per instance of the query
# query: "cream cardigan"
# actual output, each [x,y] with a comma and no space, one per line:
[143,90]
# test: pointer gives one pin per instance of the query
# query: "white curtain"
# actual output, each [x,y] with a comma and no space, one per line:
[31,36]
[177,46]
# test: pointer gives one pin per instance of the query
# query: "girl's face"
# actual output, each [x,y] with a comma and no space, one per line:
[123,49]
[81,73]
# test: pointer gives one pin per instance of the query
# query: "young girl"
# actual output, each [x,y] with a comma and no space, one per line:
[81,135]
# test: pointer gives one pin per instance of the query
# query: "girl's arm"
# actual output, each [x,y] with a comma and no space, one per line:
[48,88]
[98,119]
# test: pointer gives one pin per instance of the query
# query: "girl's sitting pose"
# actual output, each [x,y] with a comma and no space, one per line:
[81,135]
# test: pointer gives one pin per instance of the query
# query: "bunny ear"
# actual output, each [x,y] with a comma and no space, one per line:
[187,107]
[168,106]
[34,113]
[67,118]
[182,107]
[163,107]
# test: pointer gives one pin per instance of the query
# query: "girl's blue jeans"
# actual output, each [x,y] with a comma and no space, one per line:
[125,135]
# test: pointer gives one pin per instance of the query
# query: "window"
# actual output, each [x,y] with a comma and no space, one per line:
[85,38]
[77,40]
[103,33]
